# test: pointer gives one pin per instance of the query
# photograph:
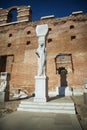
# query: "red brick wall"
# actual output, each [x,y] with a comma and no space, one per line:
[60,39]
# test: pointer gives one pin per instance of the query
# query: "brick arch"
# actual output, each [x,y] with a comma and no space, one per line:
[12,14]
[17,7]
[12,8]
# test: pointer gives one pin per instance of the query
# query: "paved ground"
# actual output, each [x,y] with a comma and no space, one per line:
[10,118]
[39,121]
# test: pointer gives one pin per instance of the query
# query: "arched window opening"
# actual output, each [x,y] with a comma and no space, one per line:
[64,60]
[12,16]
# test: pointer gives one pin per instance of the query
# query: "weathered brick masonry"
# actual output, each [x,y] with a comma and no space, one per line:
[66,43]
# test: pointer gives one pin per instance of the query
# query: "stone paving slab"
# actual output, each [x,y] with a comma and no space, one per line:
[39,121]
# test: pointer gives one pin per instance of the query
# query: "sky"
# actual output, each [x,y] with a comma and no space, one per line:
[40,8]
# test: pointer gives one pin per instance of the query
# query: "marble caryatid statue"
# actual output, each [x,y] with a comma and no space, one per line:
[41,52]
[41,31]
[41,78]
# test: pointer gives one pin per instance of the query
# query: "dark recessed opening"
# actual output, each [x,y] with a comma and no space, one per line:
[28,42]
[28,32]
[72,26]
[50,29]
[49,40]
[12,15]
[73,37]
[10,35]
[9,45]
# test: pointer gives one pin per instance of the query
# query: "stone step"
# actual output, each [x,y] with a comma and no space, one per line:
[44,106]
[47,103]
[47,110]
[54,107]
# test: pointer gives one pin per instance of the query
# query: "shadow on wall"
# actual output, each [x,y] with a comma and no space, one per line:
[7,87]
[63,80]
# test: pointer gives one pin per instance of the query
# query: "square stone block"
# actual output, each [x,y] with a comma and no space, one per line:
[40,89]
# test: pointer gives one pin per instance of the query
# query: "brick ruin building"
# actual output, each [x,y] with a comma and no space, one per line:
[66,45]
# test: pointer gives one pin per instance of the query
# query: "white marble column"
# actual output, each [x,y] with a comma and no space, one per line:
[41,79]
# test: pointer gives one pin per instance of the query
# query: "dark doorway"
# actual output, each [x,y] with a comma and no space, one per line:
[63,76]
[63,80]
[6,63]
[6,66]
[3,60]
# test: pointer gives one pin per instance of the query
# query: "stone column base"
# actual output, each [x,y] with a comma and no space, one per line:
[40,89]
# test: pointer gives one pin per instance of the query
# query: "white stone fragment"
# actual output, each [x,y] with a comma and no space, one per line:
[46,17]
[77,12]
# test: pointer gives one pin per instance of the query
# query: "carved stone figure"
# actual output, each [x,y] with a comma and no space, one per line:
[41,31]
[20,94]
[41,79]
[41,52]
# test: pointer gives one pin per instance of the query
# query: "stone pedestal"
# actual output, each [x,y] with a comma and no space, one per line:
[40,89]
[41,79]
[2,99]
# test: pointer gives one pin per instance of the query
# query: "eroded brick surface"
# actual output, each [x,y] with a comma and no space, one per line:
[18,42]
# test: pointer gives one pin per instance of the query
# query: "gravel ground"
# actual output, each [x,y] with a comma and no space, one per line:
[81,110]
[10,106]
